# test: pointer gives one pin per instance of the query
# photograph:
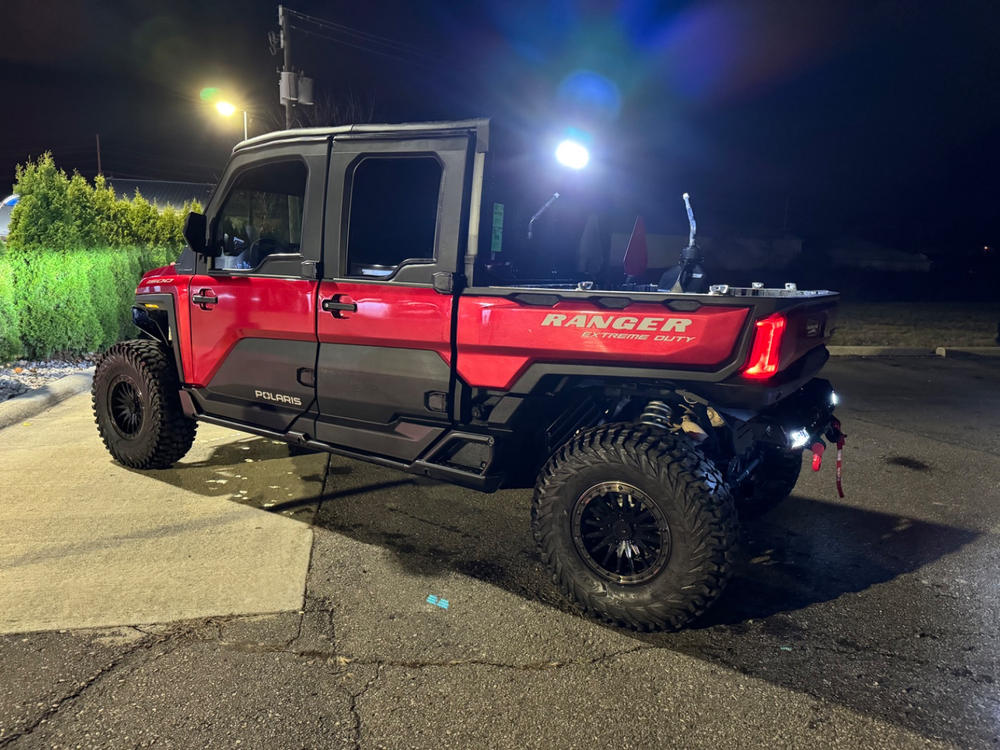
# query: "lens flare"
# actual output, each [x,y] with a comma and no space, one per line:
[590,93]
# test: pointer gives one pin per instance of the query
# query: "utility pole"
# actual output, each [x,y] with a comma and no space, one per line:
[98,136]
[287,85]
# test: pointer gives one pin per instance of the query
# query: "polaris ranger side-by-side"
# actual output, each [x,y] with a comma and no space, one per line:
[348,290]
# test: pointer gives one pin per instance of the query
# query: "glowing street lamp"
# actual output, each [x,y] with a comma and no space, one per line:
[572,154]
[226,109]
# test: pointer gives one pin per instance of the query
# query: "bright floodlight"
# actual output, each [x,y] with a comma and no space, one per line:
[798,438]
[226,109]
[572,154]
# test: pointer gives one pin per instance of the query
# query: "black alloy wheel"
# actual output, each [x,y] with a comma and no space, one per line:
[620,534]
[126,407]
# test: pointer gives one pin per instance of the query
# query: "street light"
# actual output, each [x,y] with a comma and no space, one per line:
[226,109]
[572,154]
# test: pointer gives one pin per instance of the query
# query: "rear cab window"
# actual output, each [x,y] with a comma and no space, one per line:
[393,214]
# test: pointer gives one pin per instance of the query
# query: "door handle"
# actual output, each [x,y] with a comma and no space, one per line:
[204,298]
[335,306]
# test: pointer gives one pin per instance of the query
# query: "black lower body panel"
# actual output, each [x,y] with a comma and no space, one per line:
[258,383]
[462,458]
[400,440]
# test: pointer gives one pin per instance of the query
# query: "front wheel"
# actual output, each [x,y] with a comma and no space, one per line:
[636,525]
[137,407]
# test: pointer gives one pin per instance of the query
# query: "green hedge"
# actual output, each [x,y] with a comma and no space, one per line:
[10,329]
[59,212]
[59,299]
[70,302]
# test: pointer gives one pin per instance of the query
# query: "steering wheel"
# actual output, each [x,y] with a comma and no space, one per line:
[261,248]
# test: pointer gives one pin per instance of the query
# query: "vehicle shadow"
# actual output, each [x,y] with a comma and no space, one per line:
[252,471]
[800,611]
[805,551]
[792,564]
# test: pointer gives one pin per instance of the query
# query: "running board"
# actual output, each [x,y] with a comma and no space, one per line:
[455,475]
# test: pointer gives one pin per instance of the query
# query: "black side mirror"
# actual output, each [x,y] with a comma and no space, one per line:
[195,230]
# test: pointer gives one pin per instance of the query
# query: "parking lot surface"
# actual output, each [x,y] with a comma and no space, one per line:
[249,597]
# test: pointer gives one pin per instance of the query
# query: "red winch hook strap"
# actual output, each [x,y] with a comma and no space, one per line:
[840,456]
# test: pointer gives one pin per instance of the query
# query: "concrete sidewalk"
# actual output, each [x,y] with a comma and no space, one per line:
[85,542]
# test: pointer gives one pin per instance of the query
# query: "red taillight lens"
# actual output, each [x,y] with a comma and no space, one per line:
[766,349]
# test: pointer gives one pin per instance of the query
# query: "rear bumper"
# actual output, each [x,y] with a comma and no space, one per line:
[739,393]
[806,417]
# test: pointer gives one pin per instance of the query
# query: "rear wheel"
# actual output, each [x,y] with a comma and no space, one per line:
[636,525]
[137,407]
[771,482]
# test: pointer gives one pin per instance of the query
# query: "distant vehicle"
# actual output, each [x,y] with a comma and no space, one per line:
[6,206]
[338,295]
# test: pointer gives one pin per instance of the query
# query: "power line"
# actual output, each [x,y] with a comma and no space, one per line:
[358,33]
[364,48]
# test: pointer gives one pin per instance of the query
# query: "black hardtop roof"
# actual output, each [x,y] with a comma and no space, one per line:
[481,125]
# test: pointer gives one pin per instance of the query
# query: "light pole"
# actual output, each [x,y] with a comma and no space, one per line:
[227,109]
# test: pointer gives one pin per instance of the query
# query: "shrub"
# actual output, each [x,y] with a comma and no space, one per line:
[55,309]
[143,220]
[10,332]
[73,302]
[110,215]
[42,218]
[74,256]
[57,212]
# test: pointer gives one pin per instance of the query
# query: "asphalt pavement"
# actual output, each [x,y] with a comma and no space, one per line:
[249,598]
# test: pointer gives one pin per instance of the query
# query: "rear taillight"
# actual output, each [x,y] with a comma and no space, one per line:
[766,349]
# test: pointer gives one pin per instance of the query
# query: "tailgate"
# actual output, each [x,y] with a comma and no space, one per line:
[499,338]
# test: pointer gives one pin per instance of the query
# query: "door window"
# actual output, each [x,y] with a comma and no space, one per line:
[261,216]
[393,214]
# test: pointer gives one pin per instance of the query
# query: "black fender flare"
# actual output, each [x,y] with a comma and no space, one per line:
[156,316]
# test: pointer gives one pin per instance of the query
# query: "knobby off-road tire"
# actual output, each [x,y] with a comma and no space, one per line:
[673,485]
[770,483]
[137,407]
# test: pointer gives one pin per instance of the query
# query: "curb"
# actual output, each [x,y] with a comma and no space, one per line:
[904,351]
[968,351]
[27,405]
[879,351]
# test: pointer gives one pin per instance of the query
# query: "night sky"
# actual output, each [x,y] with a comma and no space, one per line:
[877,119]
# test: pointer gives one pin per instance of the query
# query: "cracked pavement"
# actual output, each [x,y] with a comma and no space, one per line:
[870,621]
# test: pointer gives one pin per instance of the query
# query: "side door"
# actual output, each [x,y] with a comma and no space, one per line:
[253,308]
[394,226]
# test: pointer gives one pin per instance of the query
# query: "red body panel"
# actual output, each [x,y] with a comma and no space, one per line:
[499,338]
[248,307]
[166,281]
[404,317]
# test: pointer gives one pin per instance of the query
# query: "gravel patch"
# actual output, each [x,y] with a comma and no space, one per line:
[26,375]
